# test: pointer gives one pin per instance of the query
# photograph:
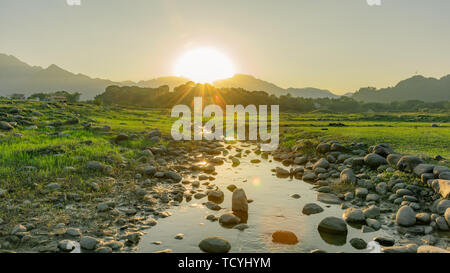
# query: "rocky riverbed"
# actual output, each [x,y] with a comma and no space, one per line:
[227,197]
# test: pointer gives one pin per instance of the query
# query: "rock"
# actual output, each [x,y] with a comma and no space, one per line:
[384,241]
[348,176]
[88,242]
[18,228]
[447,216]
[442,187]
[173,175]
[372,212]
[405,216]
[381,149]
[212,206]
[441,223]
[328,198]
[361,192]
[442,206]
[409,248]
[312,208]
[440,169]
[444,176]
[282,172]
[408,163]
[229,219]
[66,245]
[53,186]
[284,237]
[373,224]
[323,148]
[358,243]
[104,250]
[121,137]
[431,249]
[241,227]
[301,160]
[149,170]
[179,236]
[239,200]
[235,161]
[367,229]
[372,197]
[215,244]
[353,215]
[295,196]
[231,187]
[333,225]
[425,177]
[374,160]
[381,188]
[102,207]
[95,166]
[423,217]
[393,159]
[321,163]
[74,232]
[309,177]
[216,196]
[349,196]
[5,126]
[423,168]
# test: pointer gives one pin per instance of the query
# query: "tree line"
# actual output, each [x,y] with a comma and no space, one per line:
[161,97]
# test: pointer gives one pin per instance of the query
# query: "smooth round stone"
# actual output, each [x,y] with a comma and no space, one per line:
[405,216]
[215,244]
[333,225]
[358,243]
[284,237]
[353,215]
[312,208]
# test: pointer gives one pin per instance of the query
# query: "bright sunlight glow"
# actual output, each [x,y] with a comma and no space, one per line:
[204,65]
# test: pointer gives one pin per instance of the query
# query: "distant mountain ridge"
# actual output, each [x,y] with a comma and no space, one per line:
[17,76]
[251,83]
[415,88]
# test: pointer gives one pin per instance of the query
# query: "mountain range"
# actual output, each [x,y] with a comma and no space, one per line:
[17,76]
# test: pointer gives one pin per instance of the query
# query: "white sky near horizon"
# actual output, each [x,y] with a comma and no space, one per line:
[330,44]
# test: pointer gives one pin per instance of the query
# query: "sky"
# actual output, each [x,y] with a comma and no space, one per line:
[340,45]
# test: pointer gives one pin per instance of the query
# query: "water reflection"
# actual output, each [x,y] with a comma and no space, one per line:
[273,209]
[333,239]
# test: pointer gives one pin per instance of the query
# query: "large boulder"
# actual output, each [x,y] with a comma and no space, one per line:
[239,200]
[423,168]
[374,160]
[333,225]
[405,216]
[393,159]
[348,176]
[408,163]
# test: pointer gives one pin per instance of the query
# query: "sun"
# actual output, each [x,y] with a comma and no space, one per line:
[204,65]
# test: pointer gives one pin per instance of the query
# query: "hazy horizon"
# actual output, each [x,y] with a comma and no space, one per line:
[339,46]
